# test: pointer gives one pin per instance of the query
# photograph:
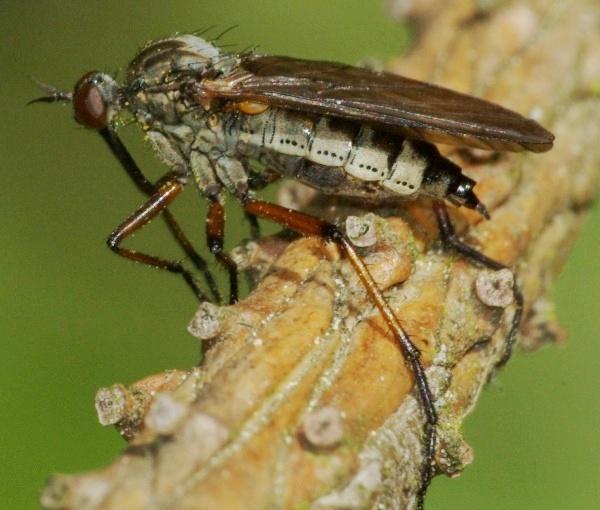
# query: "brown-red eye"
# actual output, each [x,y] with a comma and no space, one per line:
[90,107]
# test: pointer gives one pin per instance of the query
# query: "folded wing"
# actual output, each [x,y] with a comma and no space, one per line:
[414,109]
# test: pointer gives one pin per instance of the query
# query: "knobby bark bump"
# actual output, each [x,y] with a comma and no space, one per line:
[303,399]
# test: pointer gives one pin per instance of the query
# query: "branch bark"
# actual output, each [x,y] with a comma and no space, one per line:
[304,400]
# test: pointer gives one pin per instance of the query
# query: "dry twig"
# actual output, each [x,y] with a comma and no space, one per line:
[304,400]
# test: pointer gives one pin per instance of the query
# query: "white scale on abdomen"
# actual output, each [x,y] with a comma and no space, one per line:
[368,161]
[329,146]
[288,133]
[406,175]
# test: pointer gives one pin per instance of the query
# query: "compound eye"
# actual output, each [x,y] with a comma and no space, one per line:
[91,109]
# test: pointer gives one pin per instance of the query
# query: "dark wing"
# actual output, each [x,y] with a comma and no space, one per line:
[414,109]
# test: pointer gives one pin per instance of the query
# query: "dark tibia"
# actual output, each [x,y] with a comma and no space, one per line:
[168,190]
[514,328]
[309,225]
[471,157]
[215,233]
[450,239]
[254,226]
[146,187]
[258,181]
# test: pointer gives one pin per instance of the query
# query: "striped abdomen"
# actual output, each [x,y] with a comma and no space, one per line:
[359,150]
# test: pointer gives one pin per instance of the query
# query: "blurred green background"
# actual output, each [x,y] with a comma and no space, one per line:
[73,317]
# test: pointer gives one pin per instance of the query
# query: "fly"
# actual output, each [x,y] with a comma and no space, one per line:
[340,129]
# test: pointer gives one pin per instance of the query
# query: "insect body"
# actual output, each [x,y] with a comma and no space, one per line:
[188,94]
[343,130]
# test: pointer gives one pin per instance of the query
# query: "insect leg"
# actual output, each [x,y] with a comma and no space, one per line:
[258,181]
[168,189]
[145,186]
[471,157]
[254,226]
[215,233]
[309,225]
[450,239]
